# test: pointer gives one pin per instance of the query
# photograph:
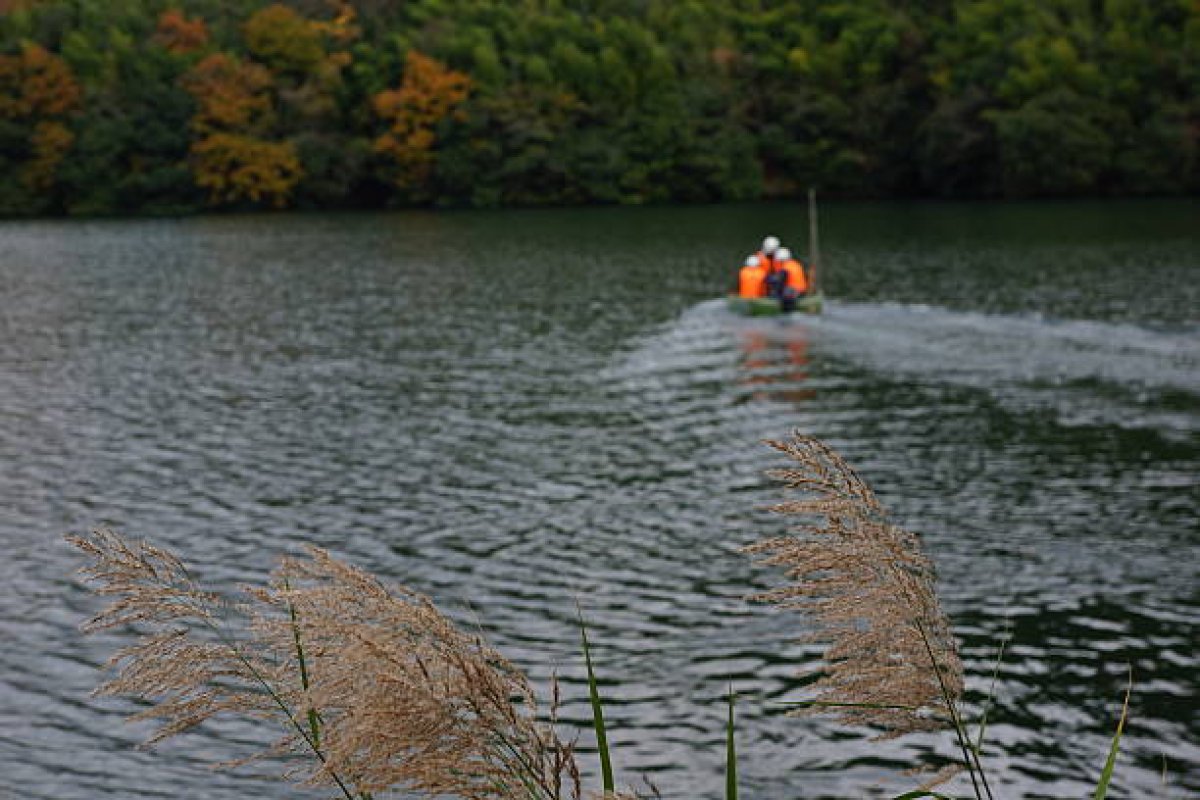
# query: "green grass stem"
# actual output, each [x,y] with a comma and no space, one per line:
[1111,763]
[606,770]
[954,717]
[314,719]
[987,703]
[230,642]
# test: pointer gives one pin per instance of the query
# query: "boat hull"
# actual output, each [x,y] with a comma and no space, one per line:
[770,306]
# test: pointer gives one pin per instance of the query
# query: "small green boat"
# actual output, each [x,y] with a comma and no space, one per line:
[770,306]
[811,303]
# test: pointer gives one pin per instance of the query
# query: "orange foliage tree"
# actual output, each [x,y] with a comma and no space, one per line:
[233,158]
[36,83]
[178,34]
[428,94]
[8,6]
[234,168]
[38,89]
[230,95]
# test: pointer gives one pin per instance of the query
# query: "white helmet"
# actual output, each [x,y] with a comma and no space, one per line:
[770,245]
[783,254]
[752,261]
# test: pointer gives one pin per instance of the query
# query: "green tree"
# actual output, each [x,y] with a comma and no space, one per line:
[1053,145]
[284,40]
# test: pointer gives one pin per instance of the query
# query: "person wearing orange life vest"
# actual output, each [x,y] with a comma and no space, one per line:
[786,280]
[750,278]
[797,280]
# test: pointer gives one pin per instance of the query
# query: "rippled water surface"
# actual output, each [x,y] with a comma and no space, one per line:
[513,410]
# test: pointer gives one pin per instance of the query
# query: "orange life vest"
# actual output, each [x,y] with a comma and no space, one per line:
[750,281]
[796,278]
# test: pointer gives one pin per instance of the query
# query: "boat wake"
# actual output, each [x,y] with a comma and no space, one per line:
[1028,348]
[1087,371]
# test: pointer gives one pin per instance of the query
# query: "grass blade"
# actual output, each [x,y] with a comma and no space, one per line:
[606,770]
[987,705]
[731,792]
[1106,776]
[955,719]
[314,720]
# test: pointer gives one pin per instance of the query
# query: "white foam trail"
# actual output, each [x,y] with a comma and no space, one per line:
[993,349]
[1087,371]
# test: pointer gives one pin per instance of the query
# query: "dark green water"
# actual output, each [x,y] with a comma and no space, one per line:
[512,410]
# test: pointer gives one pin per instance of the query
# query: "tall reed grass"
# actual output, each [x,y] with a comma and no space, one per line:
[375,689]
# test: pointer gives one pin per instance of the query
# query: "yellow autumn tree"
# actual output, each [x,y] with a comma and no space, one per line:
[234,158]
[429,93]
[234,168]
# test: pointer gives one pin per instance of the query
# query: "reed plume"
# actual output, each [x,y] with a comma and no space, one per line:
[185,660]
[377,685]
[405,698]
[891,660]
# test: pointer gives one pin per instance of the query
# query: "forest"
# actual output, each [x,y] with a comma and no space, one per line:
[177,106]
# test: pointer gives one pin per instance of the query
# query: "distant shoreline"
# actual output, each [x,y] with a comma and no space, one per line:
[782,201]
[158,107]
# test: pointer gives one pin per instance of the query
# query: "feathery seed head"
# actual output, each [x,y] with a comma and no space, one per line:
[891,660]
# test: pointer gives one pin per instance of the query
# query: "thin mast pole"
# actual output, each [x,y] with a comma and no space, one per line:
[814,247]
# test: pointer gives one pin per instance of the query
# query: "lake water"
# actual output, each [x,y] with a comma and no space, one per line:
[513,410]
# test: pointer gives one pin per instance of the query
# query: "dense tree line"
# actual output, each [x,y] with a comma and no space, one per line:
[162,106]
